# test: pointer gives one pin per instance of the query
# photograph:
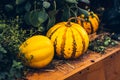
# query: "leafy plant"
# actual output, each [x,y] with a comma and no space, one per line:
[101,43]
[11,36]
[20,19]
[43,13]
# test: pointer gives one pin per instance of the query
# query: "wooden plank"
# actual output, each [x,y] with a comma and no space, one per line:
[64,71]
[112,67]
[106,69]
[90,73]
[79,76]
[96,75]
[96,72]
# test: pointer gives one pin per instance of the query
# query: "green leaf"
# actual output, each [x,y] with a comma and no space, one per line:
[72,1]
[38,17]
[83,11]
[27,18]
[3,75]
[40,29]
[34,18]
[51,22]
[85,1]
[46,4]
[8,7]
[2,26]
[20,2]
[52,18]
[28,6]
[66,13]
[20,9]
[2,50]
[17,65]
[43,16]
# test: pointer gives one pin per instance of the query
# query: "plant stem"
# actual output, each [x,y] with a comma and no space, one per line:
[75,18]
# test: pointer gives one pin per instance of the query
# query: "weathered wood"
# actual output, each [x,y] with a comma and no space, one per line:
[105,69]
[112,67]
[90,66]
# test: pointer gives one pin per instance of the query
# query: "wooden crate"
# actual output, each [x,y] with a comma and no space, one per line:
[106,69]
[90,66]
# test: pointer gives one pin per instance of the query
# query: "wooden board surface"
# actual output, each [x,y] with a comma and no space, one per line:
[106,69]
[71,67]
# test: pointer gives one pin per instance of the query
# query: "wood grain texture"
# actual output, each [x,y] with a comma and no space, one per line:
[105,69]
[90,66]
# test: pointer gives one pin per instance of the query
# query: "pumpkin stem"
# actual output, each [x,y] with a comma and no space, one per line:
[75,18]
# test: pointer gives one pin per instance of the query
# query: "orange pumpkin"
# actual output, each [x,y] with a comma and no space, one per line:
[90,23]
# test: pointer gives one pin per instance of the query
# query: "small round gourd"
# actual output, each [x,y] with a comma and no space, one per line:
[70,39]
[90,23]
[37,51]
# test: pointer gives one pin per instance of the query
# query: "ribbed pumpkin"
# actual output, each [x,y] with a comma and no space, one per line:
[70,39]
[90,23]
[37,51]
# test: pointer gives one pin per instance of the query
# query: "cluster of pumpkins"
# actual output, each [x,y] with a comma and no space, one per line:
[66,40]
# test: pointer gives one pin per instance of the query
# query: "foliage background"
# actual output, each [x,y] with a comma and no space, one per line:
[20,19]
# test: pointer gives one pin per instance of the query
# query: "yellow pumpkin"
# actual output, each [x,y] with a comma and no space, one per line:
[70,39]
[37,51]
[90,23]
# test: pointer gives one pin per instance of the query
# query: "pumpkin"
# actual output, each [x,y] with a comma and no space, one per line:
[37,51]
[90,23]
[70,40]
